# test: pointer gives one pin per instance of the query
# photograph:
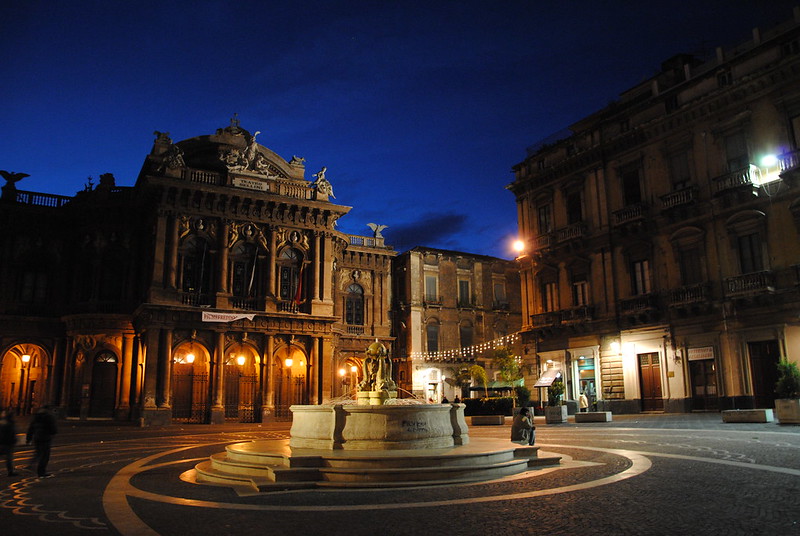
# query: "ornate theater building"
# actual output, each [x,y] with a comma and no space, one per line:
[215,289]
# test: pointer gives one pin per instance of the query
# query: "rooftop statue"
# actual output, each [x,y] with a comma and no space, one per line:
[12,178]
[321,184]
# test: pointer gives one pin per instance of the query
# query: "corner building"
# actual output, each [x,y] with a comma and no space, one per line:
[661,269]
[215,289]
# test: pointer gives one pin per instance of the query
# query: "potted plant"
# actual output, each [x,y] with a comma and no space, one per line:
[555,412]
[787,391]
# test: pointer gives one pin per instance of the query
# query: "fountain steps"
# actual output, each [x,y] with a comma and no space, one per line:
[271,465]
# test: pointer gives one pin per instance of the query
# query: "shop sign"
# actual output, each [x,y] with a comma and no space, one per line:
[704,352]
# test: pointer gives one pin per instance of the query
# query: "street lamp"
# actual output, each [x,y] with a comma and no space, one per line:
[353,376]
[240,360]
[21,397]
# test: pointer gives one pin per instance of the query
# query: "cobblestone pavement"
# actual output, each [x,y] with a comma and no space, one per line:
[641,474]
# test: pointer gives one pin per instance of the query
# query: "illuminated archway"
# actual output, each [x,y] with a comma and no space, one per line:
[23,377]
[290,365]
[190,389]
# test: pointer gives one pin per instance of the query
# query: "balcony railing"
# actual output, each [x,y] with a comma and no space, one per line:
[201,176]
[248,304]
[194,298]
[734,180]
[638,304]
[752,283]
[688,294]
[789,161]
[542,241]
[543,320]
[577,314]
[630,214]
[433,300]
[685,196]
[355,330]
[570,232]
[500,305]
[41,200]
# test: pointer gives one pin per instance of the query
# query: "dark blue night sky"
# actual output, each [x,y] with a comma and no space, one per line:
[418,109]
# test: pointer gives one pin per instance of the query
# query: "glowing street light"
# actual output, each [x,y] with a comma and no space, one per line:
[519,246]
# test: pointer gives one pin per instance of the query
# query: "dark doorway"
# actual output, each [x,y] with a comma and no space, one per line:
[764,358]
[704,384]
[650,381]
[189,395]
[104,386]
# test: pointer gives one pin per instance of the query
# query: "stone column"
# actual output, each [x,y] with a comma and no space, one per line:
[69,370]
[312,371]
[172,257]
[158,252]
[224,232]
[271,262]
[217,376]
[268,385]
[127,365]
[317,263]
[165,369]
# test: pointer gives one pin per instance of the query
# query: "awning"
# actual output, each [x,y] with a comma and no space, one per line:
[547,378]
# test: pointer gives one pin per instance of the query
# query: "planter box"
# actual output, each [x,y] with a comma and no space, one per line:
[593,416]
[788,410]
[747,415]
[482,420]
[555,414]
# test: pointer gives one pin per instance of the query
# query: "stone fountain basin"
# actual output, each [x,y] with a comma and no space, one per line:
[385,427]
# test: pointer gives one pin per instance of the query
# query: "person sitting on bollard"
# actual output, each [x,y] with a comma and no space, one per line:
[522,428]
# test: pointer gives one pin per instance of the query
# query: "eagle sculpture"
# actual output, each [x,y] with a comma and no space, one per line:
[376,229]
[12,177]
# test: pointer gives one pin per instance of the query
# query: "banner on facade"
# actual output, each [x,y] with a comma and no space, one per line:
[225,317]
[547,378]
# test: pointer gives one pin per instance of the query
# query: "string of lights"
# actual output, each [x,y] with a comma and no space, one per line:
[469,351]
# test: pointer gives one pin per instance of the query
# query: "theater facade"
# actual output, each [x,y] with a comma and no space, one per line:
[215,289]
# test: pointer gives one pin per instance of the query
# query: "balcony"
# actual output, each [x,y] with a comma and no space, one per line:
[679,198]
[433,301]
[733,181]
[789,161]
[248,304]
[545,320]
[638,304]
[501,305]
[355,330]
[688,295]
[574,231]
[750,284]
[630,214]
[195,299]
[573,315]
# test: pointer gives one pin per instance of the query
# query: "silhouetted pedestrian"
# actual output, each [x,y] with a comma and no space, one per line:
[8,439]
[41,432]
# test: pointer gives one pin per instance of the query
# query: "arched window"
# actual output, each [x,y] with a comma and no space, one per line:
[354,305]
[105,357]
[290,273]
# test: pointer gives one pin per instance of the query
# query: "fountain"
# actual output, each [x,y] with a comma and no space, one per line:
[376,440]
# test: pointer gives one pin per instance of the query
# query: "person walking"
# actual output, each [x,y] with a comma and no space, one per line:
[8,439]
[522,428]
[41,432]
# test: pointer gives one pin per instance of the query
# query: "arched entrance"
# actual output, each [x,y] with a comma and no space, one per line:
[290,380]
[22,378]
[190,390]
[241,384]
[349,373]
[104,385]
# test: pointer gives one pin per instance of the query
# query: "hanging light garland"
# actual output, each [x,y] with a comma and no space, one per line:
[468,352]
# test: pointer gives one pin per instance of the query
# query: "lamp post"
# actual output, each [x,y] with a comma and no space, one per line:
[21,400]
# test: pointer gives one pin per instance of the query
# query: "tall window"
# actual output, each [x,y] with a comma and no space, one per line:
[691,266]
[631,186]
[640,277]
[679,170]
[750,253]
[574,208]
[196,266]
[431,290]
[432,337]
[550,296]
[580,291]
[500,298]
[32,287]
[545,219]
[736,151]
[464,298]
[465,333]
[290,273]
[354,305]
[245,266]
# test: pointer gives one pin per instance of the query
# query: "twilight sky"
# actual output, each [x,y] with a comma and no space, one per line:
[418,108]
